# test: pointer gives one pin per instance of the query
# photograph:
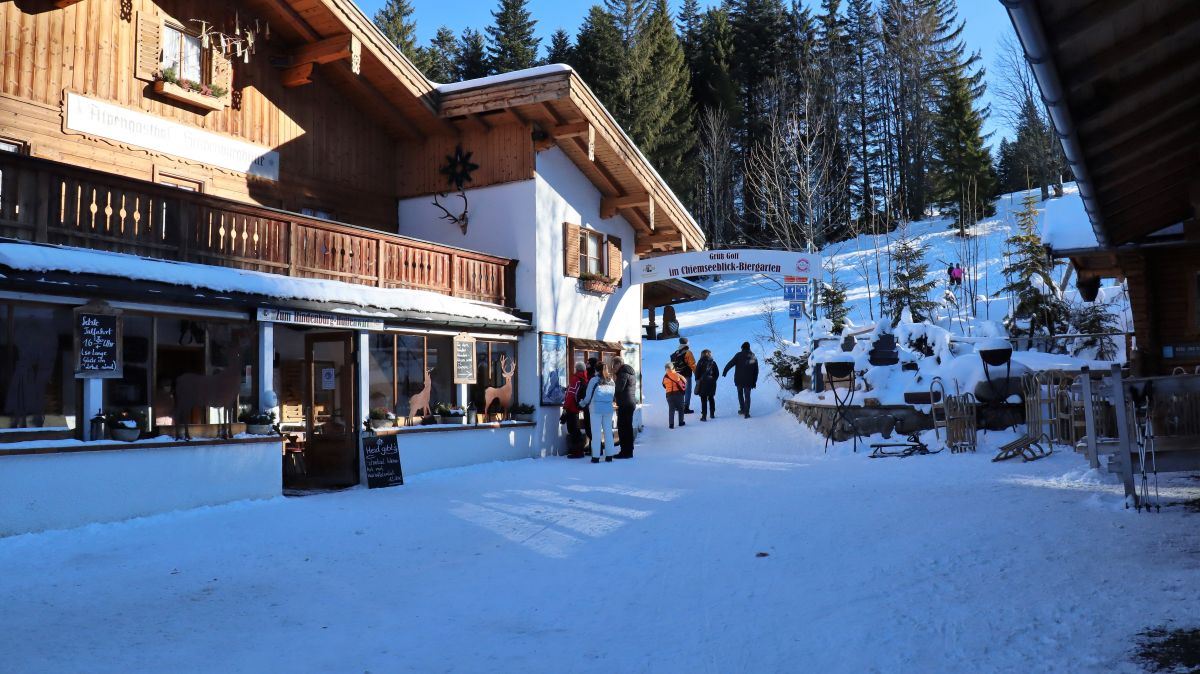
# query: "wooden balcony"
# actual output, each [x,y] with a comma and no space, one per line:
[50,202]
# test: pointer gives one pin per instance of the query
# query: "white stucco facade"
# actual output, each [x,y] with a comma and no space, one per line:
[524,221]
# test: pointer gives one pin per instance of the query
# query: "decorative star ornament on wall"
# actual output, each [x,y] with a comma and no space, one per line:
[458,170]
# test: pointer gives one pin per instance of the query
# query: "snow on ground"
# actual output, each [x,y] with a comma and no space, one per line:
[735,545]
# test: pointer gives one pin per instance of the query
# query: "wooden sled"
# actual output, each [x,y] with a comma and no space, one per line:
[1025,447]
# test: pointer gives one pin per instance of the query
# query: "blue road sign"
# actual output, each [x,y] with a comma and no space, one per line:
[795,292]
[795,309]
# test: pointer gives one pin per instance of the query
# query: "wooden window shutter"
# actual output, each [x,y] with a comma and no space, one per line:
[571,249]
[149,46]
[615,268]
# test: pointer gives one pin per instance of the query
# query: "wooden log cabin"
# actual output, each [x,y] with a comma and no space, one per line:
[1121,82]
[221,208]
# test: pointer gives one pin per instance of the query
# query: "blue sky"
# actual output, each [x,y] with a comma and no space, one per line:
[986,22]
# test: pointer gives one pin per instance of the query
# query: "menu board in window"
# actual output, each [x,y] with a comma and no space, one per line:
[464,359]
[98,349]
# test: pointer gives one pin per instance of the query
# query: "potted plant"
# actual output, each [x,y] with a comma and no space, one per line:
[123,426]
[259,423]
[522,412]
[168,83]
[381,417]
[597,283]
[448,414]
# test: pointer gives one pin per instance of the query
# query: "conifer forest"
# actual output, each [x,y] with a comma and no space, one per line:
[786,124]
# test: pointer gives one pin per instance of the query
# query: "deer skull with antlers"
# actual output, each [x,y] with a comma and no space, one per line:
[461,218]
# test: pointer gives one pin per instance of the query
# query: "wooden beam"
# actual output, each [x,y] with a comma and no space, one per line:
[583,133]
[610,205]
[1147,37]
[297,75]
[63,4]
[337,48]
[1100,115]
[1086,18]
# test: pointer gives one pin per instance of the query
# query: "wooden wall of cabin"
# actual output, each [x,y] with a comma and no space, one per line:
[1165,308]
[504,153]
[332,157]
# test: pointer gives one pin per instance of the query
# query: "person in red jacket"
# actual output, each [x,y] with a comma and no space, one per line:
[576,439]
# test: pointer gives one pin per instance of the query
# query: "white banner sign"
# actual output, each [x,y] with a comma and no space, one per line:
[318,319]
[133,127]
[741,261]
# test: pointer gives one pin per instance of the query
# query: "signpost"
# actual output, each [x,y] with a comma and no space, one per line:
[381,454]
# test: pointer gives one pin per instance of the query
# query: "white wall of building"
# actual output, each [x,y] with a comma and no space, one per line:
[423,452]
[57,491]
[524,221]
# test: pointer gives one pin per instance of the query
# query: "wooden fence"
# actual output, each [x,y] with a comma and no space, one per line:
[57,203]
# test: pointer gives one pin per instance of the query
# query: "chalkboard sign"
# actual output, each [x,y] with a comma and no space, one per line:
[464,359]
[381,454]
[98,342]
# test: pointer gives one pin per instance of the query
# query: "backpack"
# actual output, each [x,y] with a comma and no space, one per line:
[679,362]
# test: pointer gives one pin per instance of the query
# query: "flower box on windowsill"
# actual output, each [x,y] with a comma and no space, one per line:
[188,96]
[598,286]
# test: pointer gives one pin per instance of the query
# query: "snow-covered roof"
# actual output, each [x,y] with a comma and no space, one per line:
[501,78]
[45,258]
[1065,223]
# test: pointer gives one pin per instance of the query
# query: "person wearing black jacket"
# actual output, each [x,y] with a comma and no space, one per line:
[745,376]
[707,373]
[626,399]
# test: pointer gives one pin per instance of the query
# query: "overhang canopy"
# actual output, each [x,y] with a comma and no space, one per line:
[671,291]
[1122,81]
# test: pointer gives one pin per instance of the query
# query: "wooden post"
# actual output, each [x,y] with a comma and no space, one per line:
[453,274]
[290,228]
[1123,433]
[652,327]
[1089,417]
[794,324]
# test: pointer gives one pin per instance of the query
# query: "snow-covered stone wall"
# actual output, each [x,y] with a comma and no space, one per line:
[70,489]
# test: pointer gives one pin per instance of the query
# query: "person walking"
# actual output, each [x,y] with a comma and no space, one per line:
[674,385]
[685,364]
[589,374]
[707,373]
[745,376]
[576,438]
[957,274]
[625,381]
[599,399]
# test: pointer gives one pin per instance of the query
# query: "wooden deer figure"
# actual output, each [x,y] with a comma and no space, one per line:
[501,394]
[420,401]
[218,390]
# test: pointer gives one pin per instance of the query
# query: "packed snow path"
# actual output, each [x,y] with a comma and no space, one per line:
[937,563]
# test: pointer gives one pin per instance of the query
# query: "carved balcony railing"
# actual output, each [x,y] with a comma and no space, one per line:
[50,202]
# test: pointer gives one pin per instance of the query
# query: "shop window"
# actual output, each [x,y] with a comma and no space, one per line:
[585,355]
[132,392]
[398,367]
[37,376]
[489,372]
[381,376]
[178,182]
[183,54]
[13,145]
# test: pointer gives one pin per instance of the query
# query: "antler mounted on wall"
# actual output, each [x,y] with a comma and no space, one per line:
[458,170]
[461,218]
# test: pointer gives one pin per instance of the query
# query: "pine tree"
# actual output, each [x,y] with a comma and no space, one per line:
[561,50]
[963,179]
[392,19]
[911,284]
[660,101]
[440,56]
[833,301]
[1093,319]
[1038,308]
[862,112]
[511,43]
[712,78]
[472,61]
[598,53]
